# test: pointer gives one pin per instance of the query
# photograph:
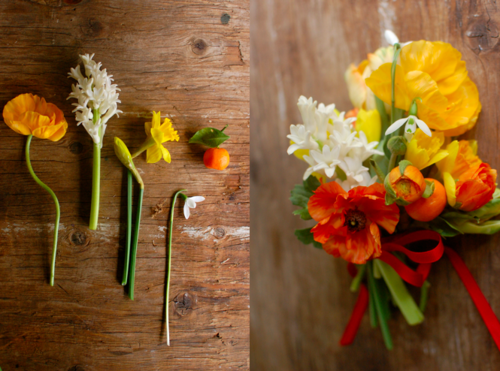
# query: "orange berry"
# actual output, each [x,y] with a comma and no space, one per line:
[216,158]
[427,209]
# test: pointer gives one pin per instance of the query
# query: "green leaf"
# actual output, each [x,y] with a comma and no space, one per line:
[306,237]
[429,189]
[210,137]
[384,118]
[443,227]
[300,196]
[402,166]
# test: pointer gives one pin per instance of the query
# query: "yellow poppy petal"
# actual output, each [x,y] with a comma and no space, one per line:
[450,187]
[154,154]
[34,120]
[451,83]
[47,132]
[380,83]
[421,85]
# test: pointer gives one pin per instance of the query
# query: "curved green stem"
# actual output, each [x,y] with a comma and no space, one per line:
[58,210]
[96,185]
[129,228]
[134,245]
[167,288]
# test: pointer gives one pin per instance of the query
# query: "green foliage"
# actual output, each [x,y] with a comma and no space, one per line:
[300,196]
[210,137]
[306,237]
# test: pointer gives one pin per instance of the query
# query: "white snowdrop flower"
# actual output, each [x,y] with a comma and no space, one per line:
[411,126]
[190,203]
[97,97]
[392,39]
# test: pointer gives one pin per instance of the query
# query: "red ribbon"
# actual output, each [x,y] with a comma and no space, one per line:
[418,277]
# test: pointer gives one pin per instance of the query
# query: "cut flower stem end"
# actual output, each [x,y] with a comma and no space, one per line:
[58,210]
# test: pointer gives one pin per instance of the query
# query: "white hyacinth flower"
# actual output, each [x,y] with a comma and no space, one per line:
[97,97]
[331,141]
[190,203]
[411,126]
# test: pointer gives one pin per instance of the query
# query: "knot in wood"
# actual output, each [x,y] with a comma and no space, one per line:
[199,47]
[76,148]
[219,232]
[183,304]
[79,239]
[92,28]
[225,18]
[482,35]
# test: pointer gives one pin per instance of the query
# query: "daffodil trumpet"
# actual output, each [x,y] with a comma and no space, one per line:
[58,209]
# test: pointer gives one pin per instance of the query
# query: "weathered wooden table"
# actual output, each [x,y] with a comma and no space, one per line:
[190,60]
[300,295]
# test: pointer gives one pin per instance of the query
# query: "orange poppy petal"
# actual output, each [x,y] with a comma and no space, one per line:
[322,204]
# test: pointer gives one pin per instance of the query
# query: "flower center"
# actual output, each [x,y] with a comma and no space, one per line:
[355,220]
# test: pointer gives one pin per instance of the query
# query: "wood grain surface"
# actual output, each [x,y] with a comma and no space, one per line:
[300,296]
[190,60]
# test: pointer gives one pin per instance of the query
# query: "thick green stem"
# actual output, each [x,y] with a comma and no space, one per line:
[134,245]
[58,211]
[169,264]
[379,309]
[96,186]
[392,162]
[129,228]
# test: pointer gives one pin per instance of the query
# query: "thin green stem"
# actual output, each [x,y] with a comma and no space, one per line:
[129,228]
[134,245]
[96,181]
[169,264]
[58,210]
[423,296]
[392,162]
[397,49]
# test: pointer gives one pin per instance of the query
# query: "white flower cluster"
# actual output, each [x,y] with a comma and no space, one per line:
[96,95]
[332,144]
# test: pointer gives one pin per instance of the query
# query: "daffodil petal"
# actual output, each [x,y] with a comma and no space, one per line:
[437,157]
[166,154]
[155,123]
[450,187]
[157,135]
[154,154]
[446,165]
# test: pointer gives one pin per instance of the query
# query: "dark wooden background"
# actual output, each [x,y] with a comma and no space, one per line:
[190,60]
[300,296]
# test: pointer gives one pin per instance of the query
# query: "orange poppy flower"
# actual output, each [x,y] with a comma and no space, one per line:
[348,222]
[475,187]
[28,114]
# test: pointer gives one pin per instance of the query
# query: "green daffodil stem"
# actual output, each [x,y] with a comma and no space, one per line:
[134,245]
[169,264]
[96,187]
[149,142]
[58,211]
[397,50]
[129,228]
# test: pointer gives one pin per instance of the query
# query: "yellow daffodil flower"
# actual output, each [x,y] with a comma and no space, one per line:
[157,135]
[28,114]
[369,123]
[434,72]
[423,151]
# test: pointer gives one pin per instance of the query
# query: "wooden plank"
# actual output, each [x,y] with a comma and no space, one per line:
[189,60]
[300,295]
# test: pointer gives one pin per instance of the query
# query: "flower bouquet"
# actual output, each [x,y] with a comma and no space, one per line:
[389,179]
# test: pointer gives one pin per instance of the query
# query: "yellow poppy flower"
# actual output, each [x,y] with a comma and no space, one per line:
[423,151]
[28,114]
[359,94]
[159,134]
[369,123]
[434,72]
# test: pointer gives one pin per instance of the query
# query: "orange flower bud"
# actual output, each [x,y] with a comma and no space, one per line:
[406,187]
[475,187]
